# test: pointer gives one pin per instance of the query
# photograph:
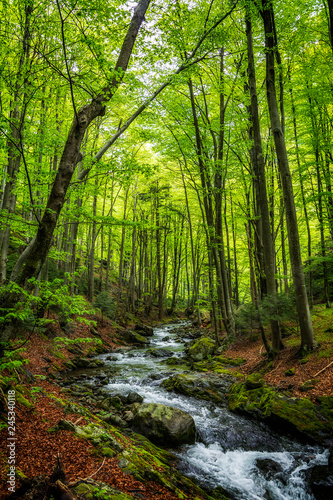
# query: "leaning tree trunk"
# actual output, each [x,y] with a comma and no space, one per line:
[71,154]
[302,305]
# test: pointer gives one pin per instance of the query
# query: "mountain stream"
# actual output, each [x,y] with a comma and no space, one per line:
[229,448]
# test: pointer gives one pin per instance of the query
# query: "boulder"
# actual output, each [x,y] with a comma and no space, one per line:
[201,349]
[88,363]
[164,425]
[269,468]
[133,397]
[321,480]
[299,417]
[147,331]
[134,337]
[208,386]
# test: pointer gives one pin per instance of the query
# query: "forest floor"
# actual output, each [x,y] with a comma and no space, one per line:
[291,367]
[37,448]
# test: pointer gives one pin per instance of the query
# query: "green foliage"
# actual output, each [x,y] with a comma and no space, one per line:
[105,304]
[12,359]
[281,309]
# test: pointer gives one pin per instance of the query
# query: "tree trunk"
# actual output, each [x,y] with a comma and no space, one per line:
[71,154]
[303,311]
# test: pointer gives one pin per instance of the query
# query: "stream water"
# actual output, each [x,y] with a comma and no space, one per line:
[228,448]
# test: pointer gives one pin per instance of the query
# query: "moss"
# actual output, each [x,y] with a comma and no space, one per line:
[23,401]
[146,462]
[291,414]
[94,491]
[254,381]
[290,372]
[201,349]
[108,452]
[54,351]
[230,361]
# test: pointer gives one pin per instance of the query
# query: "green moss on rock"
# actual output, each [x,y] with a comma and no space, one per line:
[297,416]
[203,348]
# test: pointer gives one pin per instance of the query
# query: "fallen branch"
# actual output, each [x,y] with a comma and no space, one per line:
[331,363]
[80,480]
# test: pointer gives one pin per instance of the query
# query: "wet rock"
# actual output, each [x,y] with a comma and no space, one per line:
[269,468]
[110,403]
[164,425]
[111,358]
[128,416]
[159,352]
[175,361]
[298,417]
[206,386]
[321,480]
[165,339]
[134,397]
[201,349]
[145,330]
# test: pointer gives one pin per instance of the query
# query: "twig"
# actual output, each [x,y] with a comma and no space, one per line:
[89,477]
[78,420]
[331,363]
[86,478]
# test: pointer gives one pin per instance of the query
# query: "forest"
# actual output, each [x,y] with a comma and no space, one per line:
[166,161]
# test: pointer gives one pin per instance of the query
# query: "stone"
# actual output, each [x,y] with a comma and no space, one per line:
[114,420]
[133,397]
[254,381]
[134,337]
[88,363]
[159,352]
[308,385]
[321,481]
[269,468]
[203,348]
[147,331]
[164,425]
[208,386]
[94,489]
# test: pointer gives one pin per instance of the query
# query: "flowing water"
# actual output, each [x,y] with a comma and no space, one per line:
[228,447]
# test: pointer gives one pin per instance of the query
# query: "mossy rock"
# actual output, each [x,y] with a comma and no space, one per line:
[96,434]
[54,351]
[94,489]
[146,462]
[164,425]
[210,386]
[308,385]
[298,417]
[20,399]
[108,452]
[254,381]
[290,372]
[230,361]
[134,337]
[203,348]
